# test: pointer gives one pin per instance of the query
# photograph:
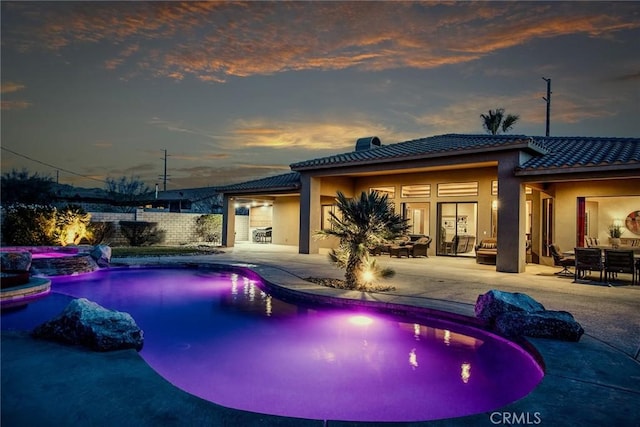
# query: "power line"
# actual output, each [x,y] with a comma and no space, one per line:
[52,166]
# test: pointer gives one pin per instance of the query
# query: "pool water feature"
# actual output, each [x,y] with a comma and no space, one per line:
[57,260]
[227,339]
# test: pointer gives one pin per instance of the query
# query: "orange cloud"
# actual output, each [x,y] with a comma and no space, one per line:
[213,41]
[9,87]
[200,157]
[103,144]
[15,105]
[329,134]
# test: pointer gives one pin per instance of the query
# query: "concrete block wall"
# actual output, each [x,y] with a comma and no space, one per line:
[115,217]
[180,228]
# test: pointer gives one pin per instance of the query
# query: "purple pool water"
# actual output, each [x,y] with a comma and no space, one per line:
[41,252]
[221,337]
[52,254]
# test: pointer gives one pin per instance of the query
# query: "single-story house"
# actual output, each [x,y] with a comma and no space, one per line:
[189,200]
[527,192]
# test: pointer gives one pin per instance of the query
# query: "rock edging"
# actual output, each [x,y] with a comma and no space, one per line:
[86,323]
[514,315]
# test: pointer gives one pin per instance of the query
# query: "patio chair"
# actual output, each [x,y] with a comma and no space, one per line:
[469,244]
[449,248]
[588,260]
[617,261]
[420,247]
[560,260]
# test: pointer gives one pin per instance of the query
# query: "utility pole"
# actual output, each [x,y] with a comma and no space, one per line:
[164,175]
[548,99]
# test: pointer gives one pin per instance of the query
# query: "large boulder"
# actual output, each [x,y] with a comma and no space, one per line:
[542,324]
[494,303]
[86,323]
[15,261]
[102,255]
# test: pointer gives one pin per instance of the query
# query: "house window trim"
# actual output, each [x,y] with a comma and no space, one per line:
[447,189]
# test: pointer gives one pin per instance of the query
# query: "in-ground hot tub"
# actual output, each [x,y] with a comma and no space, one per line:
[57,260]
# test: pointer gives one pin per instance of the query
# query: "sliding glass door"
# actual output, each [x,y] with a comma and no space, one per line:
[457,225]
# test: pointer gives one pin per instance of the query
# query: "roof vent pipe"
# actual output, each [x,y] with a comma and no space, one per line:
[367,143]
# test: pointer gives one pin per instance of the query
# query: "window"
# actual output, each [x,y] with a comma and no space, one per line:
[326,216]
[389,191]
[416,190]
[458,189]
[494,189]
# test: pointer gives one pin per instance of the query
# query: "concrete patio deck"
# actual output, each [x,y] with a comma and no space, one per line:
[594,382]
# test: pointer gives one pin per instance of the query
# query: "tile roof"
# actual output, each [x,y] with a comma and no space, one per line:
[287,181]
[564,152]
[193,194]
[550,154]
[434,146]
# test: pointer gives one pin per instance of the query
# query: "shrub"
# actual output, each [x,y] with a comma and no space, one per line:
[38,225]
[209,227]
[142,233]
[72,225]
[101,232]
[29,225]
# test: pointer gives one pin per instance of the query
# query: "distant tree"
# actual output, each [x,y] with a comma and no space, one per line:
[496,122]
[29,189]
[127,193]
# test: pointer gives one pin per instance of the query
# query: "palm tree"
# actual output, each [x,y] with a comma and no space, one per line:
[496,121]
[362,223]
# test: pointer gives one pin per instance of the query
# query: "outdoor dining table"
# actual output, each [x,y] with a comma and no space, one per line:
[635,249]
[636,253]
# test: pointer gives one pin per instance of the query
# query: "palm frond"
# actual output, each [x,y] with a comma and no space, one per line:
[509,121]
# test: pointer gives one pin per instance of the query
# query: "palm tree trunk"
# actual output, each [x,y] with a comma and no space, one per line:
[351,273]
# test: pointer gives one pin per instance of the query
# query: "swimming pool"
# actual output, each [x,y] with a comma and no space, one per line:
[225,338]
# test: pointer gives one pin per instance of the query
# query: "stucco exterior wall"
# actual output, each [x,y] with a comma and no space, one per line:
[484,177]
[331,185]
[286,217]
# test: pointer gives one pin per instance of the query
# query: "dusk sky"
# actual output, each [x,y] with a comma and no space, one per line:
[238,91]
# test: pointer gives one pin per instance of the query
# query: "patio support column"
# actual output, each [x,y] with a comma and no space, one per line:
[310,211]
[512,210]
[228,222]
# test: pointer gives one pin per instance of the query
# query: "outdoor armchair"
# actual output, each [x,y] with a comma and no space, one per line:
[560,260]
[420,247]
[487,251]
